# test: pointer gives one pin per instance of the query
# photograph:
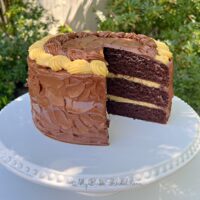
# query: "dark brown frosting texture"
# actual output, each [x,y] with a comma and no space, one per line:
[89,46]
[69,108]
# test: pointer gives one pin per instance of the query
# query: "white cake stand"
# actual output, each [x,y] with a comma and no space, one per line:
[139,153]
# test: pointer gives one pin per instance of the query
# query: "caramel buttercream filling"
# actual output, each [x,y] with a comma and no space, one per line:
[135,80]
[139,103]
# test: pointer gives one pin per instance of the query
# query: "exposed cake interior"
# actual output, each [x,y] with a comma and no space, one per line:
[137,70]
[138,86]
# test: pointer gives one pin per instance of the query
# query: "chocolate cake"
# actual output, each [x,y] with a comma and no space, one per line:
[75,79]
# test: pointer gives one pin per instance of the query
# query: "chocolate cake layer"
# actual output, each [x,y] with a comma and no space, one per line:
[138,112]
[136,91]
[69,108]
[128,63]
[123,61]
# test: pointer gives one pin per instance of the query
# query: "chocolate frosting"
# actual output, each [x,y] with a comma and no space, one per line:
[69,108]
[89,45]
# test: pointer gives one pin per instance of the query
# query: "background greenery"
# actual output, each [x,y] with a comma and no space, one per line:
[177,22]
[20,25]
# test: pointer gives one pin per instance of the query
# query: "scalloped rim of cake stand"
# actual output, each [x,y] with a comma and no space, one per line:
[97,184]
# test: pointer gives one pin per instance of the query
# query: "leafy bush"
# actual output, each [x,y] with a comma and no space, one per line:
[177,22]
[21,23]
[65,28]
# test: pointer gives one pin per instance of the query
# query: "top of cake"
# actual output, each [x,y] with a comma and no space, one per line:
[82,53]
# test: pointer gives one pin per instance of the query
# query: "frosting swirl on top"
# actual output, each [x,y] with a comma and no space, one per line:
[82,53]
[164,54]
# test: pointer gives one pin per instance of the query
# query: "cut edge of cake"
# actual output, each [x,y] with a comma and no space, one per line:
[132,88]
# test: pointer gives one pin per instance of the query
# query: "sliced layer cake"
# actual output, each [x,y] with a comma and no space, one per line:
[75,78]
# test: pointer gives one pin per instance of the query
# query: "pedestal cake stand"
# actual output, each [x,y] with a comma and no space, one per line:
[139,153]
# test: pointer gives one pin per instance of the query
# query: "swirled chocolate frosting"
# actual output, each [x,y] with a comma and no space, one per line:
[88,46]
[69,108]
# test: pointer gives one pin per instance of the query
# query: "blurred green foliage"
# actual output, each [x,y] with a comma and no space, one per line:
[177,22]
[65,29]
[21,23]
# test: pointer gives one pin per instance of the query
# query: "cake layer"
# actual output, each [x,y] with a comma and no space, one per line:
[136,91]
[125,62]
[69,108]
[138,112]
[87,138]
